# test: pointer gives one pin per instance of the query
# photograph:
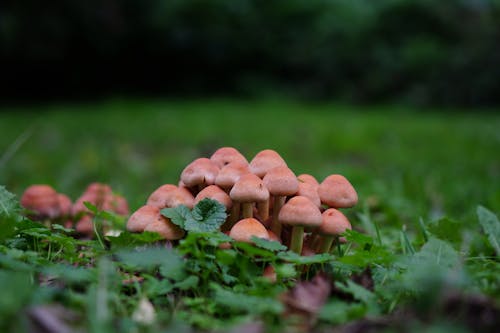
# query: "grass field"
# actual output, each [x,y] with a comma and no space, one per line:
[407,165]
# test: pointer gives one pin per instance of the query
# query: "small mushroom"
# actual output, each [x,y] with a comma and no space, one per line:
[142,217]
[165,228]
[64,206]
[247,190]
[310,191]
[42,201]
[264,161]
[245,229]
[120,205]
[225,155]
[336,191]
[281,182]
[169,195]
[307,178]
[216,193]
[230,173]
[270,274]
[333,224]
[299,212]
[200,173]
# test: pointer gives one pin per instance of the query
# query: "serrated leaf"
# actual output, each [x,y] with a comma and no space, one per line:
[268,245]
[9,205]
[178,215]
[208,215]
[491,226]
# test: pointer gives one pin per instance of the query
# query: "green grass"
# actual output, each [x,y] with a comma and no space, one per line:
[418,173]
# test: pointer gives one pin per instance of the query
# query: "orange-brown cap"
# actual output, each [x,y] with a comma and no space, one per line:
[334,222]
[216,193]
[336,191]
[230,173]
[300,211]
[225,155]
[281,181]
[249,188]
[201,171]
[41,199]
[269,273]
[98,188]
[79,207]
[142,217]
[245,229]
[273,236]
[307,178]
[85,225]
[166,229]
[264,161]
[309,191]
[64,205]
[171,196]
[120,205]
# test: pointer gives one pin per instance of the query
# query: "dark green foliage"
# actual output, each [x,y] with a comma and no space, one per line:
[416,51]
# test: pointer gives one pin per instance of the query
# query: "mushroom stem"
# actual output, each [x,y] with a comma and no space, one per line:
[325,243]
[247,209]
[279,201]
[234,216]
[314,243]
[297,237]
[263,208]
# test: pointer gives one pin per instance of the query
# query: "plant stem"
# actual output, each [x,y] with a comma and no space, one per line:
[325,244]
[247,209]
[297,237]
[279,201]
[263,208]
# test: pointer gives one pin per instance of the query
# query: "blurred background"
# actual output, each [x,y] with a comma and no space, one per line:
[401,96]
[425,53]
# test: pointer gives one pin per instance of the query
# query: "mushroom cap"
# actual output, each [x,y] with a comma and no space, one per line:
[281,181]
[216,193]
[142,217]
[225,155]
[79,207]
[309,191]
[171,196]
[41,199]
[264,161]
[200,171]
[166,229]
[99,189]
[249,188]
[336,191]
[244,229]
[334,222]
[230,173]
[120,205]
[269,273]
[65,204]
[273,237]
[85,225]
[307,178]
[300,211]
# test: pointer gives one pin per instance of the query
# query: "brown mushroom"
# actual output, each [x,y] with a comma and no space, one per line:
[307,178]
[230,173]
[310,191]
[171,196]
[142,217]
[247,190]
[216,193]
[245,229]
[165,228]
[333,224]
[64,206]
[337,192]
[200,173]
[264,161]
[42,201]
[281,182]
[299,212]
[225,155]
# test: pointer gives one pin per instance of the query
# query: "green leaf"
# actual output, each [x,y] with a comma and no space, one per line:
[9,206]
[246,303]
[151,258]
[268,245]
[208,215]
[128,239]
[491,226]
[189,283]
[305,260]
[178,215]
[446,229]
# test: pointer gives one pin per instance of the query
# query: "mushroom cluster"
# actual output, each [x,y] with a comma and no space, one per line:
[45,204]
[263,198]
